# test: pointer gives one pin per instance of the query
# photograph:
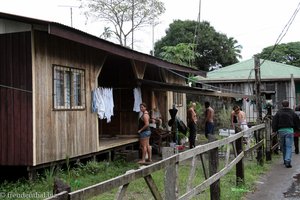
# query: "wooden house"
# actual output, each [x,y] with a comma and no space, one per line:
[282,79]
[48,72]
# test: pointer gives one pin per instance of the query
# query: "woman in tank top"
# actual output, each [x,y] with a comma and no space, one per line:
[145,133]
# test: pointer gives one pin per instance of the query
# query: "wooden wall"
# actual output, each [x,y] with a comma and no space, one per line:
[15,99]
[61,134]
[182,110]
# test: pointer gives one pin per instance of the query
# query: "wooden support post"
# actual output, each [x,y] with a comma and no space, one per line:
[31,173]
[268,139]
[258,89]
[171,192]
[192,174]
[121,192]
[240,165]
[215,191]
[203,167]
[154,190]
[259,157]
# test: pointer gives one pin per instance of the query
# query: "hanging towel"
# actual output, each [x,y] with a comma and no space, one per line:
[109,103]
[137,99]
[98,105]
[103,103]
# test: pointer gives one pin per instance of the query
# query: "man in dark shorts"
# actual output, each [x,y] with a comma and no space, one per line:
[192,124]
[209,120]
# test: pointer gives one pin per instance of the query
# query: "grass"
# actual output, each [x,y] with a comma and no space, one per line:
[83,175]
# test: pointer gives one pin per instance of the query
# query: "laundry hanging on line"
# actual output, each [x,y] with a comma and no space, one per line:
[103,103]
[137,99]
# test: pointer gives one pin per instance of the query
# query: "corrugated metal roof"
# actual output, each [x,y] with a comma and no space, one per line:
[245,70]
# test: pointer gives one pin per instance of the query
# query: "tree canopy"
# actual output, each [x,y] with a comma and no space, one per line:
[125,16]
[288,53]
[212,47]
[182,54]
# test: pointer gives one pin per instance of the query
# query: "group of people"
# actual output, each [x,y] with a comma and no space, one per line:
[146,119]
[286,122]
[192,122]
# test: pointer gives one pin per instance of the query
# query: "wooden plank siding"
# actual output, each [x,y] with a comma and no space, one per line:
[182,110]
[62,134]
[32,132]
[15,99]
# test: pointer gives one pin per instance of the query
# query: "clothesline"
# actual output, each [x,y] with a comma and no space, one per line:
[103,102]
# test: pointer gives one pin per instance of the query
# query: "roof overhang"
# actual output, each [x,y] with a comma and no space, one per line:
[190,90]
[84,38]
[92,41]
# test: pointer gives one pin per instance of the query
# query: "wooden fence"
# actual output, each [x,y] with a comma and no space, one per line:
[170,165]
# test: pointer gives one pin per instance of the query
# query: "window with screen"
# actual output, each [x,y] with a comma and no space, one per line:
[68,88]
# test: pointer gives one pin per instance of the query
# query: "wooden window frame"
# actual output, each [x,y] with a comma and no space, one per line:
[178,99]
[72,93]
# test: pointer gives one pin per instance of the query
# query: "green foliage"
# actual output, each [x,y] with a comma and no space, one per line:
[79,176]
[288,53]
[182,54]
[224,117]
[212,47]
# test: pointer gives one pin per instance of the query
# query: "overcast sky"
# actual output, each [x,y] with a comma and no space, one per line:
[255,24]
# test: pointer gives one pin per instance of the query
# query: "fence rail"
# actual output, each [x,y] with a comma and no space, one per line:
[171,164]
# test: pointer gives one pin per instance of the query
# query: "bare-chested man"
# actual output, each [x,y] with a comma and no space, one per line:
[209,119]
[241,118]
[192,124]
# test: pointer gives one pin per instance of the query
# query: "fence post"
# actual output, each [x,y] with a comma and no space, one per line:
[170,176]
[268,139]
[260,151]
[213,169]
[240,164]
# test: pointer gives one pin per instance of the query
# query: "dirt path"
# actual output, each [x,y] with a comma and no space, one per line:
[280,183]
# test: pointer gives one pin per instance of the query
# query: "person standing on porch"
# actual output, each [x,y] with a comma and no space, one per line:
[144,133]
[192,124]
[209,119]
[285,122]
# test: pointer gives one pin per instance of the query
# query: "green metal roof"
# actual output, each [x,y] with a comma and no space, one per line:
[245,70]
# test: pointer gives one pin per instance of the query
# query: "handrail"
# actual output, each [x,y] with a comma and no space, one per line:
[146,171]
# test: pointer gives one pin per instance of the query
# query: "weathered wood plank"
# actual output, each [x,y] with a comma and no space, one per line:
[61,133]
[191,174]
[121,192]
[171,191]
[215,191]
[201,187]
[60,196]
[122,180]
[152,186]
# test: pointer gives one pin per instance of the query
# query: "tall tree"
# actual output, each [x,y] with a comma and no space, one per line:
[124,16]
[182,54]
[213,48]
[288,53]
